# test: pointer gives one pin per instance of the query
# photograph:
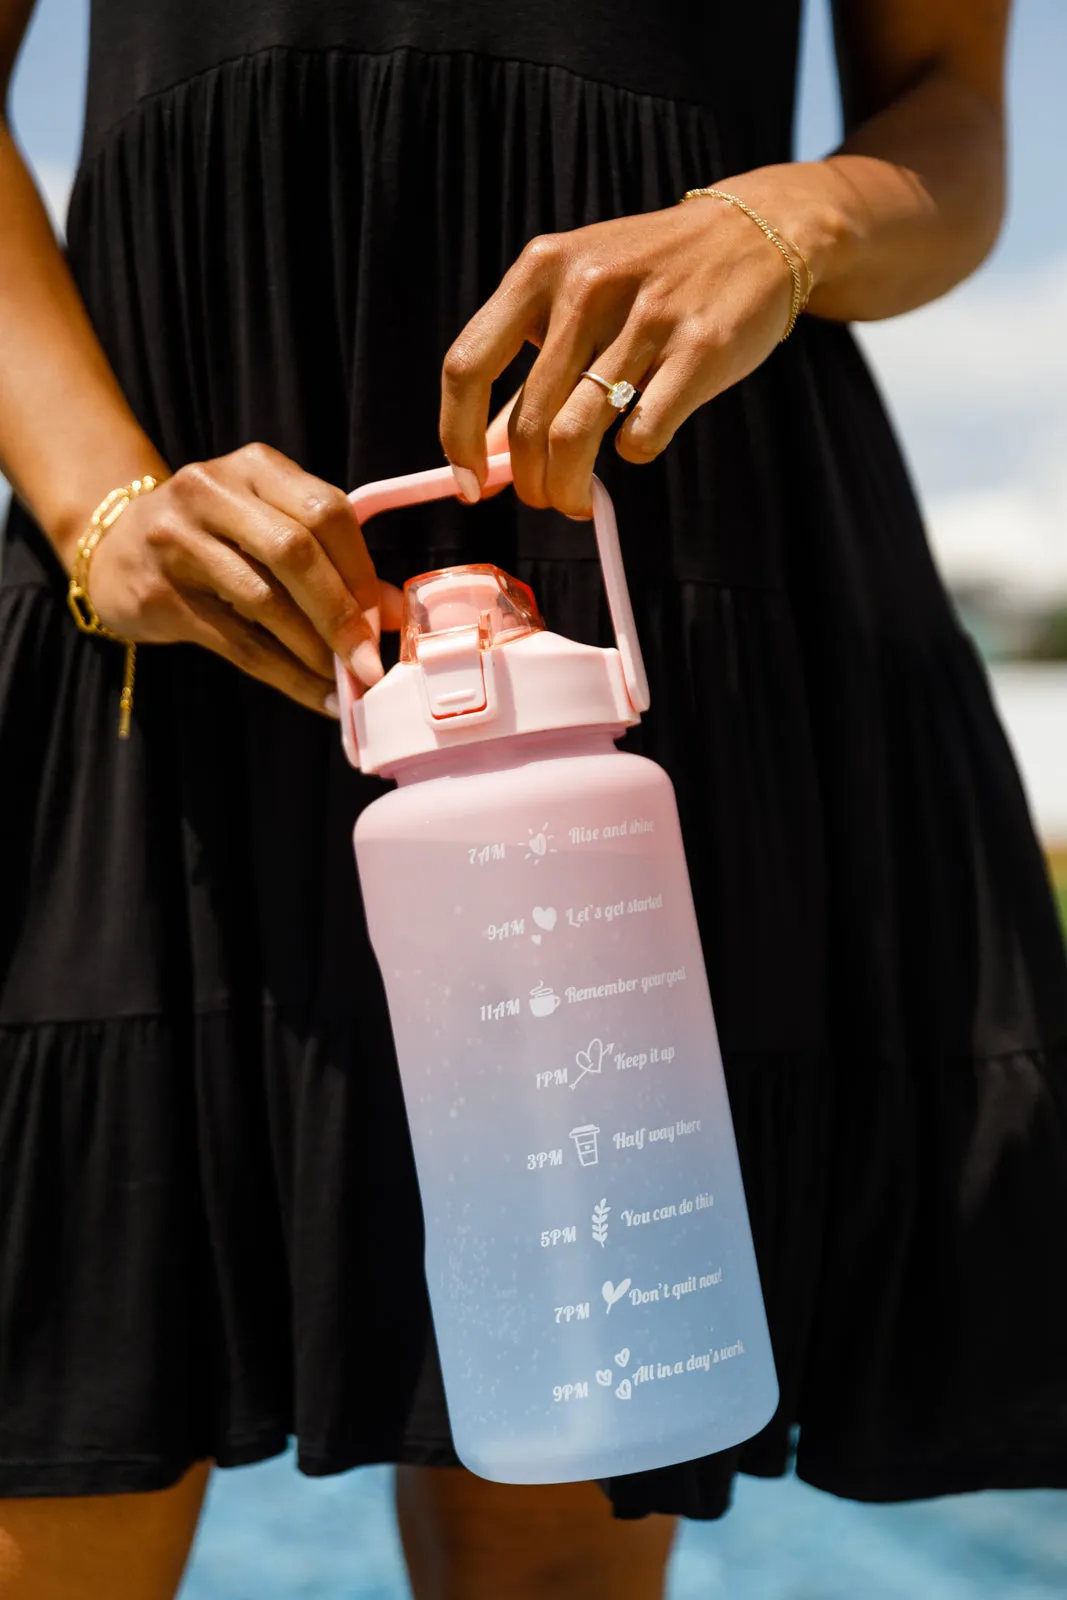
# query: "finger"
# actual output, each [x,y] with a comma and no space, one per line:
[254,593]
[569,344]
[497,441]
[513,316]
[683,382]
[578,428]
[214,626]
[225,501]
[325,512]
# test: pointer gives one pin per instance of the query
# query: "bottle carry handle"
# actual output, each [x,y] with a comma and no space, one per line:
[439,483]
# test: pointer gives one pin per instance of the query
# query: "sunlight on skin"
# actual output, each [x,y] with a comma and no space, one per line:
[10,1561]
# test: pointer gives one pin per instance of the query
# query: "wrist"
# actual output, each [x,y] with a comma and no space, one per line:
[65,510]
[805,202]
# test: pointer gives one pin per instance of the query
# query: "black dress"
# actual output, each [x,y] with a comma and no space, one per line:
[210,1234]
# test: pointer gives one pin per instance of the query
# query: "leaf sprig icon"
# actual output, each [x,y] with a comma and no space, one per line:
[600,1222]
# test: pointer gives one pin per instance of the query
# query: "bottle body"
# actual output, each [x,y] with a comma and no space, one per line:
[589,1259]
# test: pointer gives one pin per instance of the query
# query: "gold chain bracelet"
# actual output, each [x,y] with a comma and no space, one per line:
[809,276]
[785,247]
[84,612]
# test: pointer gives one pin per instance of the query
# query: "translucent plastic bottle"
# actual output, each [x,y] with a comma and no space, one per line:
[594,1289]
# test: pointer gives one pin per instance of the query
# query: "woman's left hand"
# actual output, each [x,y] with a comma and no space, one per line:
[681,303]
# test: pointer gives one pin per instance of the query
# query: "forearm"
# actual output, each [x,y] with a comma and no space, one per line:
[67,434]
[905,209]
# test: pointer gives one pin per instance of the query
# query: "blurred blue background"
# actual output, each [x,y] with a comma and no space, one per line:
[269,1536]
[978,383]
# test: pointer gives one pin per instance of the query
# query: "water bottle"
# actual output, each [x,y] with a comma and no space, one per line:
[590,1265]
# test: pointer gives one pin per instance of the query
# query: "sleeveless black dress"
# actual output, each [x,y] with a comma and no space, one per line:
[210,1234]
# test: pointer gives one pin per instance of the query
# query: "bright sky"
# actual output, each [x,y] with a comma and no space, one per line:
[977,382]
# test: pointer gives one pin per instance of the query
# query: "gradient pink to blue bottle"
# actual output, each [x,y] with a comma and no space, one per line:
[591,1272]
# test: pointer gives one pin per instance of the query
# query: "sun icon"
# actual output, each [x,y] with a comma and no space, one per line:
[540,844]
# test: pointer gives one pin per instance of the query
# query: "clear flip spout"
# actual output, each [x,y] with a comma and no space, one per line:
[440,484]
[497,606]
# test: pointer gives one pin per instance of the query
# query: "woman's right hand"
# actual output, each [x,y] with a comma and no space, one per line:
[254,559]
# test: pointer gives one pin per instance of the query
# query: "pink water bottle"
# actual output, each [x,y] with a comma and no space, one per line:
[590,1265]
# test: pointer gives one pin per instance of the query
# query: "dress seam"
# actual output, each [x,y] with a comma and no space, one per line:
[339,51]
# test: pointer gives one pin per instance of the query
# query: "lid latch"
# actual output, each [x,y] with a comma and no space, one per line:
[457,673]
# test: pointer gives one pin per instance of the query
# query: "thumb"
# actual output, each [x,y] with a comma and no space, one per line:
[391,600]
[496,438]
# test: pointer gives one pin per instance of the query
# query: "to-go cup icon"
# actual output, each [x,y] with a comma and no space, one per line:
[585,1142]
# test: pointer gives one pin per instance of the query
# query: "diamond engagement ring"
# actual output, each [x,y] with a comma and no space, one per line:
[619,393]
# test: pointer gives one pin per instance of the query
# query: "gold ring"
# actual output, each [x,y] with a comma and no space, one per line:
[619,393]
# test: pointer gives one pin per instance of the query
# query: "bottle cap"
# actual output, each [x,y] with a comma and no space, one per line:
[456,597]
[476,661]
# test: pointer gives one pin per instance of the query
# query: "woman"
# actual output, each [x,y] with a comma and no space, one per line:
[209,1225]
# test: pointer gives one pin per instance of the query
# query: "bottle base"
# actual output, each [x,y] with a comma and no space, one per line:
[570,1463]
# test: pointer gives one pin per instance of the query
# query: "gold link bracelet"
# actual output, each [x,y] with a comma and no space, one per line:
[82,609]
[785,247]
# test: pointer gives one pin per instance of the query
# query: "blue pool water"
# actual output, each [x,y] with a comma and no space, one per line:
[269,1534]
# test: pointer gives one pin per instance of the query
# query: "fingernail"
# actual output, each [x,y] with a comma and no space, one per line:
[367,664]
[332,706]
[374,618]
[469,487]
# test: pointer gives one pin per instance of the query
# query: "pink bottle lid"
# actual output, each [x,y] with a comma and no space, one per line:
[476,661]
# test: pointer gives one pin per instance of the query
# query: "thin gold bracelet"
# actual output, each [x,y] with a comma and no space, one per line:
[809,276]
[786,249]
[82,609]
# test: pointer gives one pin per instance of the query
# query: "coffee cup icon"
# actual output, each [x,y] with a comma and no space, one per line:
[543,1001]
[585,1142]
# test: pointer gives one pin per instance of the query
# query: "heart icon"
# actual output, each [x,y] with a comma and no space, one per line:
[613,1292]
[591,1059]
[603,1377]
[622,1358]
[623,1392]
[536,937]
[545,917]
